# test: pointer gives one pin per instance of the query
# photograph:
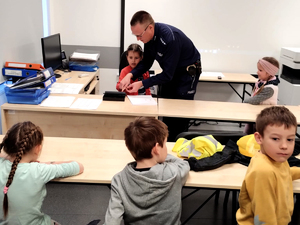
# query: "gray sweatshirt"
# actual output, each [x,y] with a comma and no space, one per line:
[148,197]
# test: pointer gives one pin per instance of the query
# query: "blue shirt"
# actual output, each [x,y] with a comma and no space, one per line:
[27,190]
[171,48]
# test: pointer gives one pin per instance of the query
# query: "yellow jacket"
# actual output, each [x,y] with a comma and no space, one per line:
[199,147]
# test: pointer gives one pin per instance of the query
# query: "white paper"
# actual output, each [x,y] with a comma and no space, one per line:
[86,56]
[211,74]
[84,103]
[65,88]
[142,100]
[58,101]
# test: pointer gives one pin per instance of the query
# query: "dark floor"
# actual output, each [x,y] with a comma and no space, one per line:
[79,204]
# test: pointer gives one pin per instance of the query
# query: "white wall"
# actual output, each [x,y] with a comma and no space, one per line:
[21,30]
[89,22]
[231,35]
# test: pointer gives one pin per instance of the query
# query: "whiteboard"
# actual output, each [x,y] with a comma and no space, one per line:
[230,35]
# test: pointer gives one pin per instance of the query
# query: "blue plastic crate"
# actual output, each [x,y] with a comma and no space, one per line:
[26,96]
[83,66]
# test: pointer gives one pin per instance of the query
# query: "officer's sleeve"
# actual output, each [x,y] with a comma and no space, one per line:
[143,65]
[170,62]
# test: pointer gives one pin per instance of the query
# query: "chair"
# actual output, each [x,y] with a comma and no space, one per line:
[123,61]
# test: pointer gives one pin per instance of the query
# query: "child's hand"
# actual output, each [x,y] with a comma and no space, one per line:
[134,87]
[125,82]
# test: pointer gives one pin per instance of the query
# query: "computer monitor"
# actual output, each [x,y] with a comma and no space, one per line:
[51,48]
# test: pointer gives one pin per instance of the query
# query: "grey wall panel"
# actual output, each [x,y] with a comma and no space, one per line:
[109,56]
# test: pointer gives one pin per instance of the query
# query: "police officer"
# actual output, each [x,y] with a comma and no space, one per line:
[176,55]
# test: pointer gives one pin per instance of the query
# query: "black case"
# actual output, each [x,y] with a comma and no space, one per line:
[114,96]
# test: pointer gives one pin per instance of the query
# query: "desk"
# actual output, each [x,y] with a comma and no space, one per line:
[72,77]
[102,159]
[108,121]
[213,110]
[229,78]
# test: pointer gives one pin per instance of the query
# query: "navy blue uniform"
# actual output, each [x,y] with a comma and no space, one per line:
[174,51]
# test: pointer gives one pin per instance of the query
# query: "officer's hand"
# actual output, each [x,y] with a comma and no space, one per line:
[134,87]
[125,82]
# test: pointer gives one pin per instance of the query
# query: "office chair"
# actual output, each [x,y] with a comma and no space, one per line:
[123,61]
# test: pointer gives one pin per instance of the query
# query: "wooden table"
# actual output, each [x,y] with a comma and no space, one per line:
[229,78]
[108,121]
[90,82]
[213,110]
[103,158]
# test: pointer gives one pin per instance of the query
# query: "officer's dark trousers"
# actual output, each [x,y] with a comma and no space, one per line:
[177,125]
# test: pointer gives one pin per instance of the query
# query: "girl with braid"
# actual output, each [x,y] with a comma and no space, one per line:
[265,91]
[23,178]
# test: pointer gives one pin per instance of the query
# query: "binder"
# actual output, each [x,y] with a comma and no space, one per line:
[45,83]
[32,66]
[36,80]
[13,72]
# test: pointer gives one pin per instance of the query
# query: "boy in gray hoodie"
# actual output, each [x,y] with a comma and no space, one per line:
[147,191]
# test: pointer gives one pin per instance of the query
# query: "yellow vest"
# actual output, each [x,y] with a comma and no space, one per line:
[199,147]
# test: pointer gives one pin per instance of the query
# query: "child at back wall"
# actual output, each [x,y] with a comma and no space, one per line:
[23,178]
[265,91]
[134,55]
[266,196]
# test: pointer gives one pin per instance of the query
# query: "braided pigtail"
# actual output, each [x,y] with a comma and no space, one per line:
[25,145]
[260,89]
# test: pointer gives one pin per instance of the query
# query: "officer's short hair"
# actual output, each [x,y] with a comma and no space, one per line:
[141,17]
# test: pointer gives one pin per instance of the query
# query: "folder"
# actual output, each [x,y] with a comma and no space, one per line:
[45,83]
[36,80]
[32,66]
[13,72]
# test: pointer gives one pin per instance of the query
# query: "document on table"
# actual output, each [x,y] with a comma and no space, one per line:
[58,101]
[65,88]
[142,100]
[84,103]
[211,74]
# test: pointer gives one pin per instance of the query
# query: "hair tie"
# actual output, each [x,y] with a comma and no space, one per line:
[268,67]
[5,190]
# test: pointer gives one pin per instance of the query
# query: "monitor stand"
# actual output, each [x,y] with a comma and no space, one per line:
[57,75]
